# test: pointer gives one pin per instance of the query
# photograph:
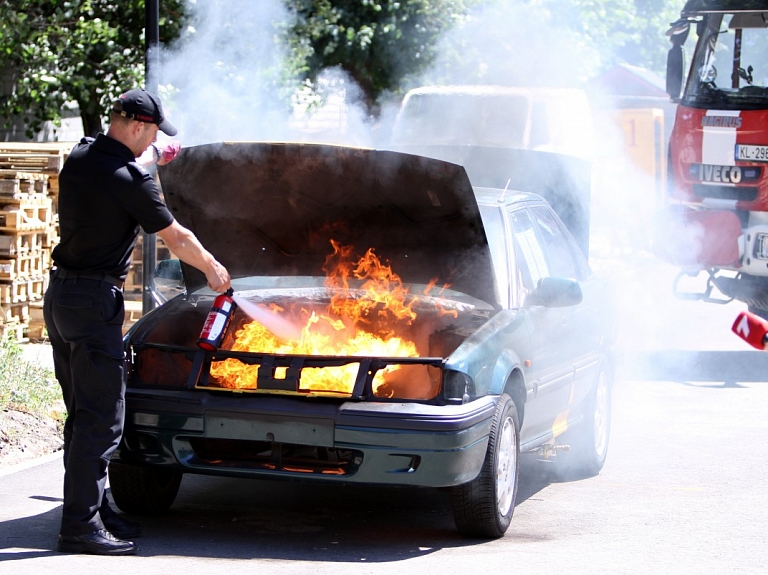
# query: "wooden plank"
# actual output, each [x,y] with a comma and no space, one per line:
[26,216]
[15,181]
[21,243]
[23,267]
[14,330]
[46,157]
[14,313]
[14,292]
[35,332]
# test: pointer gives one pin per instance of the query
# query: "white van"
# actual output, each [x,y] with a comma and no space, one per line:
[537,140]
[556,120]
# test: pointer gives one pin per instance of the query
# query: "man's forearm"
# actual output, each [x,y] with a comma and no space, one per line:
[188,249]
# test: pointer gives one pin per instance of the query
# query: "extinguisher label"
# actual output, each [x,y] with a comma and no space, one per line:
[218,326]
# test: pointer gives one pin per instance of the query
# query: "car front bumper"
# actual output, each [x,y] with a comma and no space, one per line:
[386,443]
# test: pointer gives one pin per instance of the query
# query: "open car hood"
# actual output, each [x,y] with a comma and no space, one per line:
[265,209]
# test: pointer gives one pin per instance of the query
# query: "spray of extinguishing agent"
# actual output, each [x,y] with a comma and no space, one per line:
[217,321]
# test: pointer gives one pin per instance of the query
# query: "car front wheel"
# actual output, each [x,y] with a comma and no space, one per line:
[143,490]
[484,506]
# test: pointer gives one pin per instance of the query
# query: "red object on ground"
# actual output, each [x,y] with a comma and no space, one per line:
[752,329]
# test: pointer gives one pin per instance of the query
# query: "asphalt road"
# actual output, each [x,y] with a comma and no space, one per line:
[683,490]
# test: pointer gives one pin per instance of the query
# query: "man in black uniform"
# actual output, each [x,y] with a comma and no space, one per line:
[104,198]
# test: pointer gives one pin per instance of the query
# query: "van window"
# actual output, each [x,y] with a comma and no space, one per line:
[463,120]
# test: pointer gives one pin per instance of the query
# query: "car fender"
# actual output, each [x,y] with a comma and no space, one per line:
[507,362]
[490,354]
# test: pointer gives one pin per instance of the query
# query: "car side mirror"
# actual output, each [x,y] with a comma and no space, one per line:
[556,292]
[168,270]
[167,281]
[675,65]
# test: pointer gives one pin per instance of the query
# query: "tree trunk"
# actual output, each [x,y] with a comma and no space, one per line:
[91,123]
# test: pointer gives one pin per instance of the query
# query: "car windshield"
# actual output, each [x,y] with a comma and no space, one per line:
[730,65]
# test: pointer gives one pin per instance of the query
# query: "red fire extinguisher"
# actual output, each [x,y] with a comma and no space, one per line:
[217,321]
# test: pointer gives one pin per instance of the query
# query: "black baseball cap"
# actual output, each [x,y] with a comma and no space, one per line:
[145,107]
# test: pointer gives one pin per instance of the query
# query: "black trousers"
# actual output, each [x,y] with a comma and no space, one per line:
[84,318]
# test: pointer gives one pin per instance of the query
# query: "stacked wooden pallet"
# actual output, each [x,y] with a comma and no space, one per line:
[28,232]
[38,157]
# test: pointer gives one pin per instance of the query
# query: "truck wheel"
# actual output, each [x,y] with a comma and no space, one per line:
[143,490]
[589,441]
[484,506]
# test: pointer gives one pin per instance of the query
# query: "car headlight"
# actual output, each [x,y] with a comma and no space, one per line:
[458,387]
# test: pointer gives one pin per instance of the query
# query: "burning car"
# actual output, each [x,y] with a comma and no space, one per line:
[409,330]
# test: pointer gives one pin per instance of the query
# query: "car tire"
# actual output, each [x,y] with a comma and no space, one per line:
[483,507]
[143,490]
[589,441]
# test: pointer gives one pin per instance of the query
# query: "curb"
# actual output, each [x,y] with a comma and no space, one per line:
[11,469]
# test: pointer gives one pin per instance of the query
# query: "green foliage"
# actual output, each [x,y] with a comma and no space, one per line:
[87,51]
[378,43]
[630,31]
[385,44]
[25,386]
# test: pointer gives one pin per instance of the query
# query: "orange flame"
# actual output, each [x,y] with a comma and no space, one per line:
[363,321]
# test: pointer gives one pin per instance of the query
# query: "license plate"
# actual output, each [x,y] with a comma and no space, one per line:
[752,153]
[280,429]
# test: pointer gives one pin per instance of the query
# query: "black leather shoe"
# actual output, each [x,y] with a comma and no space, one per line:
[100,542]
[120,527]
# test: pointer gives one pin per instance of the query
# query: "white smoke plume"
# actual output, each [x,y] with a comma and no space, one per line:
[218,83]
[218,80]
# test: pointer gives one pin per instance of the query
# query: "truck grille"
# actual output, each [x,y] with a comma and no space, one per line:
[743,194]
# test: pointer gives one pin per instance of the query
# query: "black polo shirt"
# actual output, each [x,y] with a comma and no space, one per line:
[104,197]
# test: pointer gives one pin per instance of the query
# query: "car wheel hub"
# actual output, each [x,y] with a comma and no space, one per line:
[506,465]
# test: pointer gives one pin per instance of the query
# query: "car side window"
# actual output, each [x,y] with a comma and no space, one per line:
[531,263]
[559,251]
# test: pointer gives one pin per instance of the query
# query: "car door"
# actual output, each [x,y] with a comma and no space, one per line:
[580,327]
[551,369]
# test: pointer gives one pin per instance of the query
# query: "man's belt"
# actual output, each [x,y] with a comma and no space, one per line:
[66,275]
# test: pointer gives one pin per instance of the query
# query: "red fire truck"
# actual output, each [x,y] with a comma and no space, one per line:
[717,222]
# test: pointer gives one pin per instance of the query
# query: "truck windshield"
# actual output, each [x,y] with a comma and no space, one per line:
[729,69]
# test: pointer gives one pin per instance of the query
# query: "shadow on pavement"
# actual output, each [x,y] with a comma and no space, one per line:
[729,367]
[246,519]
